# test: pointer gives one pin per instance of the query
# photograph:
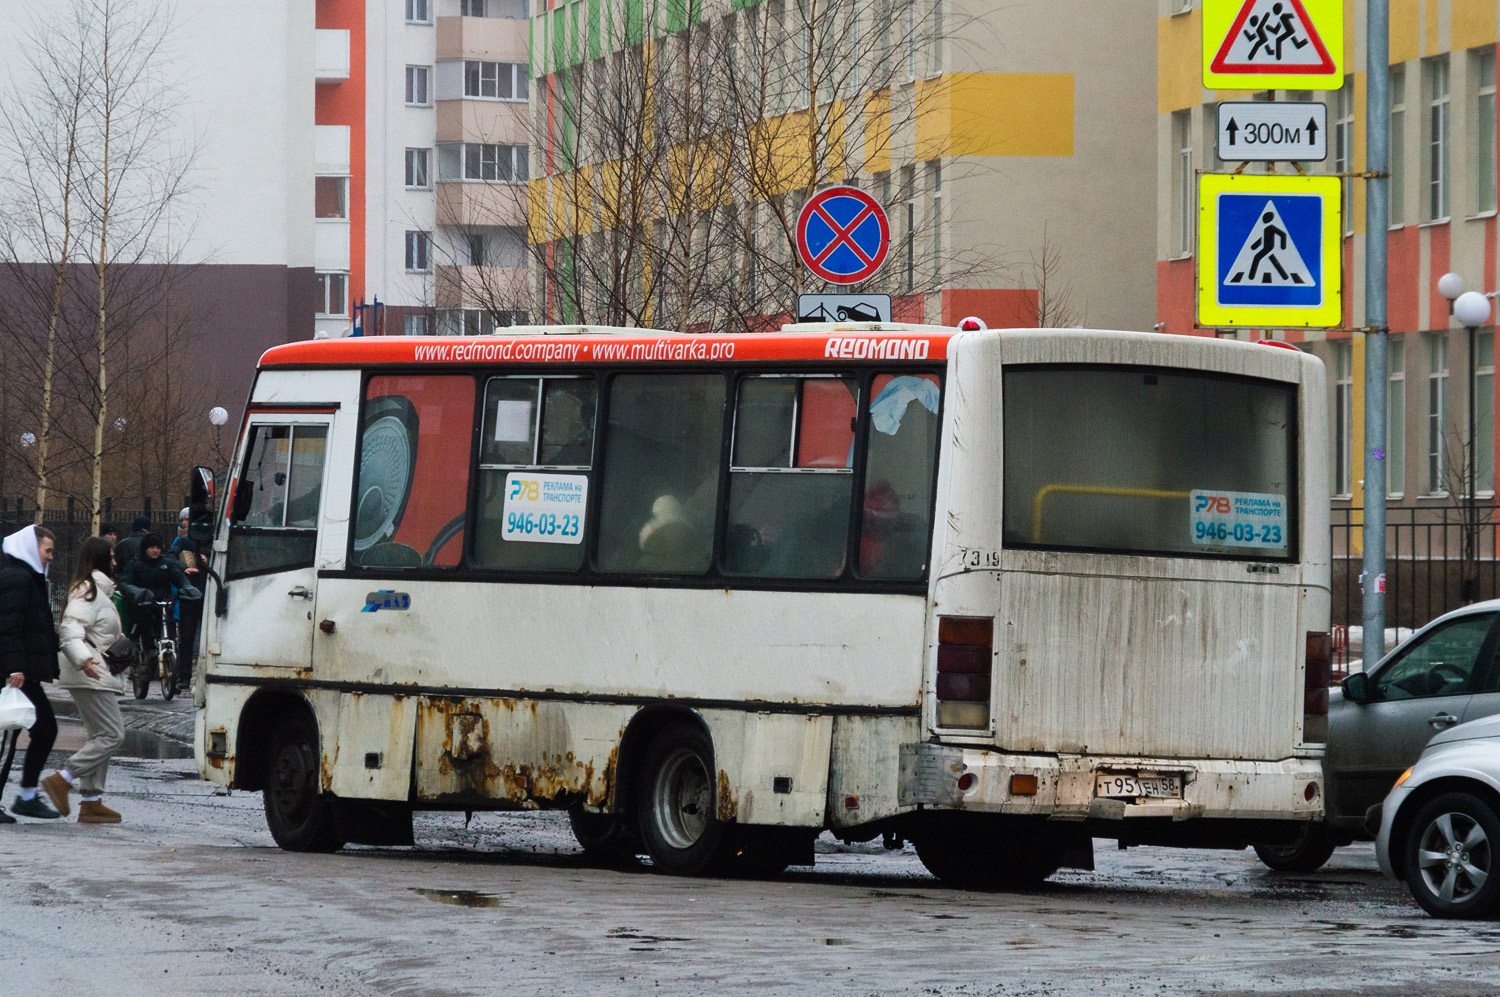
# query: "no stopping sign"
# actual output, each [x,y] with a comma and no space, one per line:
[843,235]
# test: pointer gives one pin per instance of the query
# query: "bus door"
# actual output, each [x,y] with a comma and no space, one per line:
[270,578]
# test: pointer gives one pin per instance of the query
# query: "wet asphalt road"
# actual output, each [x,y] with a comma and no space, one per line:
[190,896]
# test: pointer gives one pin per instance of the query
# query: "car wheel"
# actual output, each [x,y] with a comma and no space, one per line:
[1450,857]
[299,815]
[675,804]
[1312,848]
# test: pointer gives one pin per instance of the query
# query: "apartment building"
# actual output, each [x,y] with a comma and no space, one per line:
[1442,219]
[1011,146]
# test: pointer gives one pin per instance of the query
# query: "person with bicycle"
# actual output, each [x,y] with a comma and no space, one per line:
[151,578]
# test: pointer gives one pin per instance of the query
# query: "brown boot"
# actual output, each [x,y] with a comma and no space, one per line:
[57,789]
[95,812]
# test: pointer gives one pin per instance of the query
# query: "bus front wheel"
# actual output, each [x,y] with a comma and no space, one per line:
[300,817]
[675,807]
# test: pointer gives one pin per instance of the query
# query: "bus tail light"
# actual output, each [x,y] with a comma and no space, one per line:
[965,660]
[1318,674]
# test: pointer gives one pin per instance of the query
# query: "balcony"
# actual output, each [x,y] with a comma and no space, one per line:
[331,244]
[505,122]
[331,55]
[477,204]
[503,288]
[500,39]
[331,150]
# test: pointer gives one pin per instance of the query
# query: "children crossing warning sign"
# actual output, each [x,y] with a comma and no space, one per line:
[1269,251]
[1273,44]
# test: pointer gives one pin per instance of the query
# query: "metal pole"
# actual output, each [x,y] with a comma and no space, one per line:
[1471,528]
[1377,222]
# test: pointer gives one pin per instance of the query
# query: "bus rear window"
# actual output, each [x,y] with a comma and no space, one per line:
[1149,461]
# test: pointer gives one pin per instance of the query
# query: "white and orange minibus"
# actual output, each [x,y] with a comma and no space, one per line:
[992,592]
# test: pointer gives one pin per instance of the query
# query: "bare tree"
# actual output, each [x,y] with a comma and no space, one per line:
[669,166]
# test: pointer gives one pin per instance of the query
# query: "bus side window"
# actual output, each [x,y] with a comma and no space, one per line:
[413,481]
[791,477]
[275,515]
[895,530]
[535,468]
[661,473]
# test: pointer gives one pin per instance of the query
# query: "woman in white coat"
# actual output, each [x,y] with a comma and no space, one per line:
[90,624]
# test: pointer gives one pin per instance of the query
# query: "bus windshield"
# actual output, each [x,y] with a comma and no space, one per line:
[1149,461]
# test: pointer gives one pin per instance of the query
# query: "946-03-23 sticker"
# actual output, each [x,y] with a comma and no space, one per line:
[1238,519]
[545,508]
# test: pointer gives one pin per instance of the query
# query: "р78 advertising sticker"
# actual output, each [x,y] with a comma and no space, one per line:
[1238,519]
[545,508]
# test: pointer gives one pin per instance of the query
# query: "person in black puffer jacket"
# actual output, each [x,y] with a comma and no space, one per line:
[28,651]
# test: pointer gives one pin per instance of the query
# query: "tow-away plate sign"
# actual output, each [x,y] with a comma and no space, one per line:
[1257,131]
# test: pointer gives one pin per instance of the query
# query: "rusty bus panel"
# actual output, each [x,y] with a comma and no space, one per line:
[512,753]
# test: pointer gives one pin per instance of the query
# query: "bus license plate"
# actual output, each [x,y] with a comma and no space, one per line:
[1167,787]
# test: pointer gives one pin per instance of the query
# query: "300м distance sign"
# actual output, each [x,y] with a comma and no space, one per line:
[1255,131]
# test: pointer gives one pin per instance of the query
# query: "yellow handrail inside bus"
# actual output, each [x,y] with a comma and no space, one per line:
[1036,506]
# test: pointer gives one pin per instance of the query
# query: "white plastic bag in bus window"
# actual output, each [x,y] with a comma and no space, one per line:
[16,710]
[887,411]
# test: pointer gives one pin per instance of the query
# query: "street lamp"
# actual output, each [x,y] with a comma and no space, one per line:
[217,417]
[1472,310]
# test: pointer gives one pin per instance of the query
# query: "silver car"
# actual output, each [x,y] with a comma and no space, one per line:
[1440,826]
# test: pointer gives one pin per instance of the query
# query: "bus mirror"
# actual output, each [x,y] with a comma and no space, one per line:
[201,505]
[1357,688]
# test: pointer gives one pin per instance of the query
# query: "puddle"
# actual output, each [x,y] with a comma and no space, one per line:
[144,744]
[460,898]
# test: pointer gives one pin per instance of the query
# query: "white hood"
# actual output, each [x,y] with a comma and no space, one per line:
[22,544]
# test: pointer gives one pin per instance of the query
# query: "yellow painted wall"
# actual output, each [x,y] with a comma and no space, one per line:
[878,132]
[1473,23]
[1404,30]
[1179,61]
[995,114]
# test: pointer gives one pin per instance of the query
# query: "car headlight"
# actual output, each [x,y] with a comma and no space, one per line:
[1402,778]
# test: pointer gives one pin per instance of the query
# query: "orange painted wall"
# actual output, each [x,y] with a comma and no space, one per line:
[1402,275]
[1000,308]
[1175,288]
[344,104]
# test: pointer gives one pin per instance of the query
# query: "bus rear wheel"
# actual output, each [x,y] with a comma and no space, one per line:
[986,857]
[300,817]
[679,825]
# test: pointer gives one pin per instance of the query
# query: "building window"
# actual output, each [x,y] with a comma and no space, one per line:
[1343,146]
[1395,417]
[1343,429]
[1484,131]
[496,80]
[1437,138]
[417,175]
[477,321]
[909,182]
[1484,413]
[1397,186]
[418,12]
[418,93]
[516,9]
[415,325]
[416,252]
[482,161]
[1182,179]
[331,197]
[474,242]
[1437,411]
[333,294]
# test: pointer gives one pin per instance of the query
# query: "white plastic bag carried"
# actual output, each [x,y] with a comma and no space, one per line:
[16,710]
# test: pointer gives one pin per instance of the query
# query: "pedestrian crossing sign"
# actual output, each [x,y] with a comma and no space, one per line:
[1270,251]
[1273,44]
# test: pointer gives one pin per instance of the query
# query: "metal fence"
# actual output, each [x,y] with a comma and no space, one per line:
[72,527]
[1436,559]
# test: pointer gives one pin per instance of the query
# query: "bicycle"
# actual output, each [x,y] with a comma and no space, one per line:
[159,662]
